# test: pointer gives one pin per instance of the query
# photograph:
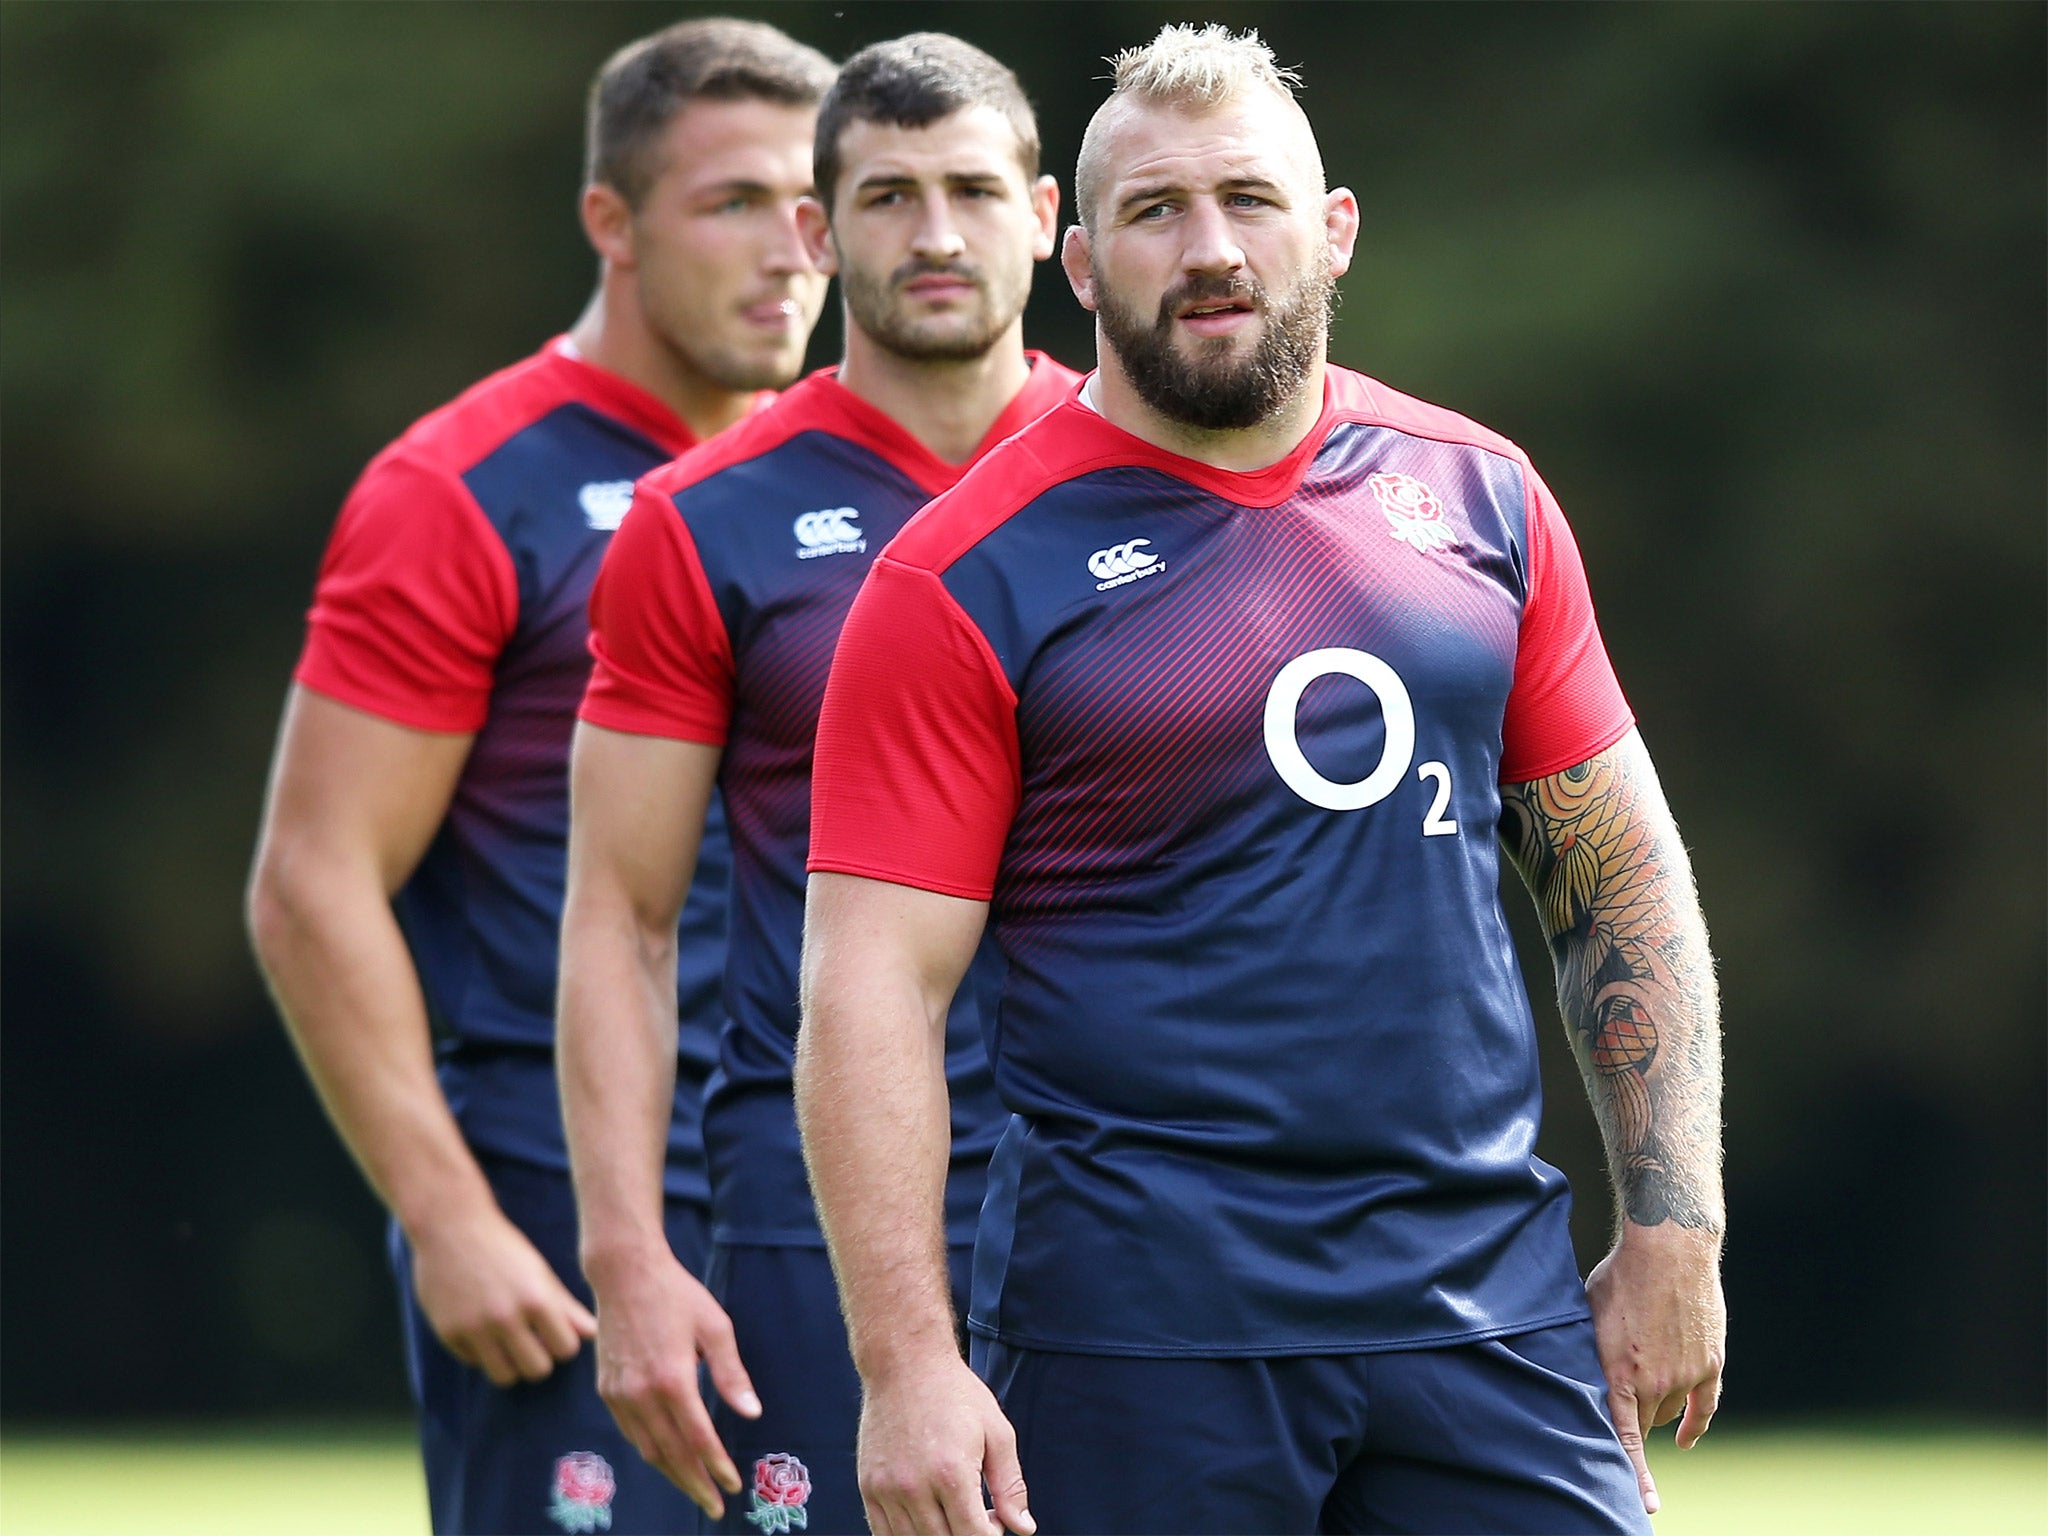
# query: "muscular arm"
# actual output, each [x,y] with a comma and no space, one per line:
[637,806]
[881,963]
[1599,851]
[353,802]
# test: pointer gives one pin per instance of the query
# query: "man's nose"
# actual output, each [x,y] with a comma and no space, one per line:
[785,252]
[1211,241]
[937,238]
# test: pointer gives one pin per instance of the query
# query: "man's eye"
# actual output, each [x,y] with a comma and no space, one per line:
[1156,211]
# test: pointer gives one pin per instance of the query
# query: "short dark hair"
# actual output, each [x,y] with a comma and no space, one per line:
[912,81]
[645,84]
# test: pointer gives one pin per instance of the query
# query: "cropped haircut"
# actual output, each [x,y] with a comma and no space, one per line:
[646,83]
[913,81]
[1184,65]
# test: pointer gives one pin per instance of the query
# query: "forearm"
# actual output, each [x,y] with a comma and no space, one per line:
[872,1105]
[616,1057]
[345,984]
[1635,979]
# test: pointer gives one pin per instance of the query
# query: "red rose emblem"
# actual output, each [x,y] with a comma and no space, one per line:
[584,1478]
[781,1481]
[1405,496]
[1414,515]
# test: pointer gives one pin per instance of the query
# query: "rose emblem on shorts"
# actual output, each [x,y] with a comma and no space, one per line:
[1414,514]
[584,1486]
[782,1487]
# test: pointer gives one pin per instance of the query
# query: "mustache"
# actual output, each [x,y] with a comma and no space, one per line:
[1209,288]
[912,270]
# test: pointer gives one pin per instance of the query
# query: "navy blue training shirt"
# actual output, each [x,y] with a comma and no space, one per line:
[714,620]
[453,597]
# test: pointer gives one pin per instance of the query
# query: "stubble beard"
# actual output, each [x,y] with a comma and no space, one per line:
[733,369]
[873,305]
[1213,392]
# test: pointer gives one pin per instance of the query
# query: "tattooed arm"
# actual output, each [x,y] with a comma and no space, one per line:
[1599,851]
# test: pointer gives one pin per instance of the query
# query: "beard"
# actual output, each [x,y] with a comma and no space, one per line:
[872,304]
[1210,390]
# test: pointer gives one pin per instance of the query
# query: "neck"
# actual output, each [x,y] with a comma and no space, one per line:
[947,406]
[613,334]
[1239,449]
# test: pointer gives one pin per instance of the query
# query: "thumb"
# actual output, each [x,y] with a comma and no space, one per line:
[1005,1479]
[1629,1429]
[722,1358]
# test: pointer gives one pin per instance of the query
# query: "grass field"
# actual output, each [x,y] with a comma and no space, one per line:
[358,1482]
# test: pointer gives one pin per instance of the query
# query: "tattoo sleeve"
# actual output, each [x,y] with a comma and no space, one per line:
[1599,851]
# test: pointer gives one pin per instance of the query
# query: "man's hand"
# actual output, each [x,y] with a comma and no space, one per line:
[654,1321]
[1662,1328]
[929,1438]
[494,1301]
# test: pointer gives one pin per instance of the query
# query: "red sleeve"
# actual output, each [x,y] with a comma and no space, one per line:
[415,599]
[663,660]
[917,774]
[1565,705]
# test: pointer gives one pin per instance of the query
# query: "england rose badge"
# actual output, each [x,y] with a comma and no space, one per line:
[584,1486]
[1414,514]
[782,1487]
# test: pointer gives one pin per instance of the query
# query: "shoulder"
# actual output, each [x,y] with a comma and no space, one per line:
[1355,397]
[691,477]
[455,437]
[1067,441]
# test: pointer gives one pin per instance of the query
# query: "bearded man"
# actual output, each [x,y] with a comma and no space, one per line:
[1207,694]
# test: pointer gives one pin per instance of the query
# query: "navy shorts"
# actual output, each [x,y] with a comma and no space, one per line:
[540,1456]
[1505,1436]
[798,1458]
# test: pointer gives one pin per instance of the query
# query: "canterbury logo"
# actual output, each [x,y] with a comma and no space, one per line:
[830,532]
[605,503]
[1123,563]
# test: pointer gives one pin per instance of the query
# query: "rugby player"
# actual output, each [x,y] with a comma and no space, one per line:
[1209,694]
[424,757]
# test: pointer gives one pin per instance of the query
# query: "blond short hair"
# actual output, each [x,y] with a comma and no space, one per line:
[1206,64]
[1184,65]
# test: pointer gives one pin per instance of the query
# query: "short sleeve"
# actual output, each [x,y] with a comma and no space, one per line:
[663,661]
[415,600]
[916,779]
[1565,705]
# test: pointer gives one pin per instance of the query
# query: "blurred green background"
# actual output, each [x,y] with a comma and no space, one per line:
[1759,286]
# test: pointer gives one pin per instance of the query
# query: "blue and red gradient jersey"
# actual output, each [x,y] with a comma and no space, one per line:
[714,620]
[1224,752]
[453,597]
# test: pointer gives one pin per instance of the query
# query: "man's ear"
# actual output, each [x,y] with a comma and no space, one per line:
[608,224]
[815,230]
[1045,203]
[1340,227]
[1074,261]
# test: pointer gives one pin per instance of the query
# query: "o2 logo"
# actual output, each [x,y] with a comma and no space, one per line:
[1397,710]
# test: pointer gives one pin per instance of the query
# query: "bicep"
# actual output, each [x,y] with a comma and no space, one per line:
[867,935]
[637,807]
[348,785]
